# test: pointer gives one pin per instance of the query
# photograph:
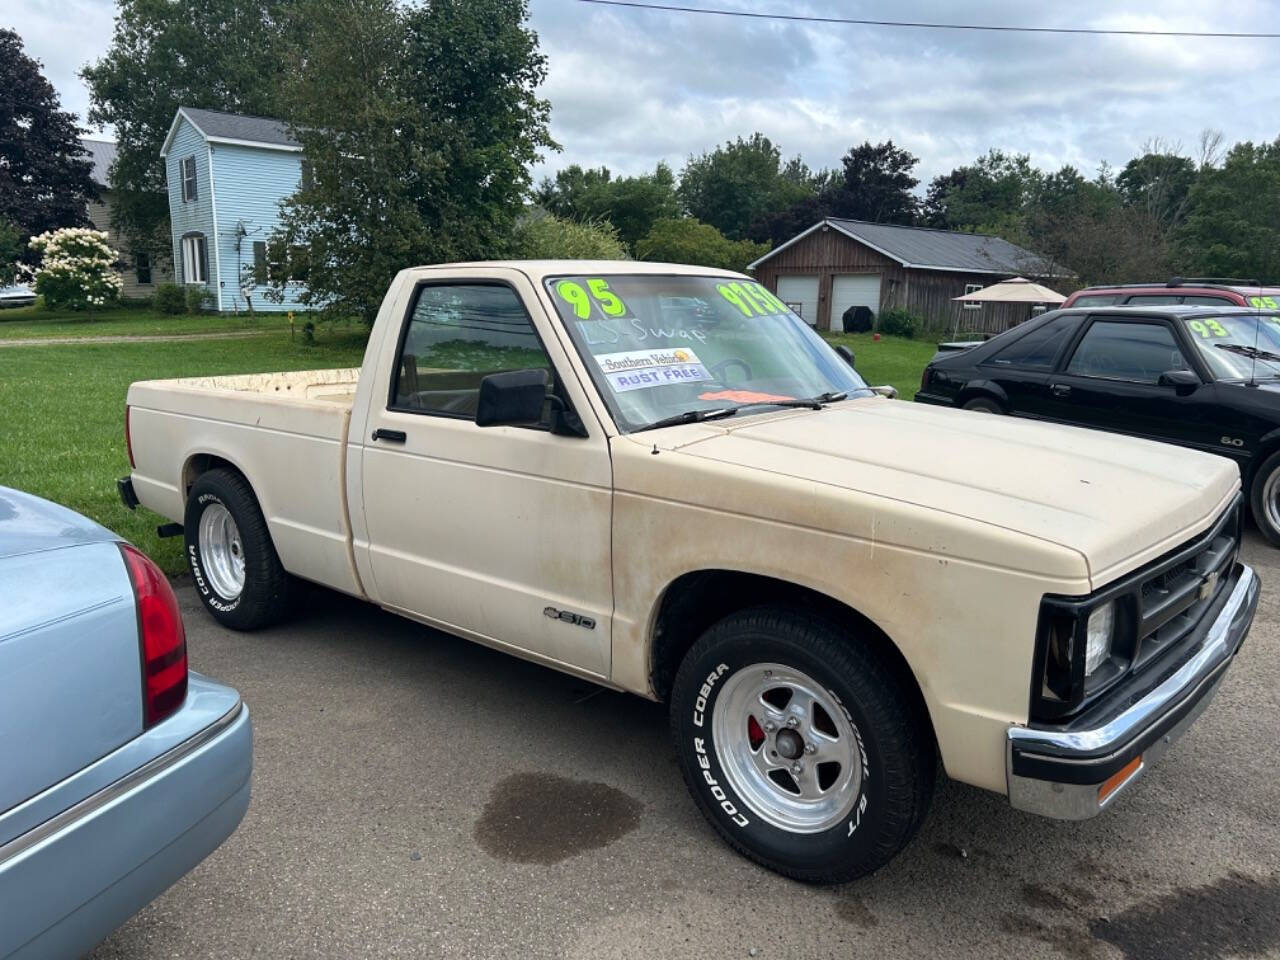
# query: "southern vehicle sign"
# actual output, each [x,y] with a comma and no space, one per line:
[640,369]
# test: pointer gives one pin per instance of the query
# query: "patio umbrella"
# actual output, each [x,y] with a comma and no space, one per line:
[1016,290]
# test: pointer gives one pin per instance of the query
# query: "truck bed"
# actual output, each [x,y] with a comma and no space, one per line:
[336,387]
[286,432]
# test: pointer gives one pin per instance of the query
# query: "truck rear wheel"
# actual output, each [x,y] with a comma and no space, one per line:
[1264,499]
[233,562]
[805,750]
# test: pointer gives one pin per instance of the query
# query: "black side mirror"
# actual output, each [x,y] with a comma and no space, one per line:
[846,353]
[1182,381]
[514,398]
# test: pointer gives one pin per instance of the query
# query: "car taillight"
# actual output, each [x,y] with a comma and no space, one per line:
[128,438]
[162,637]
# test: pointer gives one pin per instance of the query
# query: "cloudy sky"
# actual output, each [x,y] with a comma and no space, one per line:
[630,87]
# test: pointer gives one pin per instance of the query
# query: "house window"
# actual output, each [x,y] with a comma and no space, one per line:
[195,259]
[972,288]
[188,165]
[260,273]
[142,266]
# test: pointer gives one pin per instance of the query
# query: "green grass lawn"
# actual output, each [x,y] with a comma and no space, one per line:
[891,360]
[28,322]
[63,413]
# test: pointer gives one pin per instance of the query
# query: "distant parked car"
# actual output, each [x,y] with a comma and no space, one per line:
[1196,376]
[119,771]
[17,295]
[1178,291]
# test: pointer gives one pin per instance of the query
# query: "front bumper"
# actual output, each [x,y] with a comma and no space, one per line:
[1073,774]
[70,881]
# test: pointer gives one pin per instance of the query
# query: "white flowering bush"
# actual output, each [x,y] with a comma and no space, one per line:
[77,270]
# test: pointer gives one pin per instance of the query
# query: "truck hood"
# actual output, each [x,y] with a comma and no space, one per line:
[1113,499]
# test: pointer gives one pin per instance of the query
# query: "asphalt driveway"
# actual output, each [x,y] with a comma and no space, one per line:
[419,796]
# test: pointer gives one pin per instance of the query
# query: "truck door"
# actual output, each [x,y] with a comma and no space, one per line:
[501,533]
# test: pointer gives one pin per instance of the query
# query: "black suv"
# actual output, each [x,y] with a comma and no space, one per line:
[1202,377]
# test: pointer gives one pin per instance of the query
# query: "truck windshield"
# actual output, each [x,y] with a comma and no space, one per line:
[1241,346]
[661,348]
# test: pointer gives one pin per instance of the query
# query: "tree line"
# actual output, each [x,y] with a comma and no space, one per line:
[420,122]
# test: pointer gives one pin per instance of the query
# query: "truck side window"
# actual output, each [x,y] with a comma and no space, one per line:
[1127,351]
[456,336]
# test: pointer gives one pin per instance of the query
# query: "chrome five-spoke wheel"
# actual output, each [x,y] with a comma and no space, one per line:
[221,551]
[787,747]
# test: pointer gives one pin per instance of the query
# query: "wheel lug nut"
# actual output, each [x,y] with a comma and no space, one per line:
[796,768]
[770,726]
[810,748]
[792,721]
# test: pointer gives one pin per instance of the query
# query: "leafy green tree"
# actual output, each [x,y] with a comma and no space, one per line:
[11,250]
[542,236]
[687,240]
[215,54]
[990,195]
[1160,183]
[45,178]
[877,185]
[1233,225]
[742,182]
[420,124]
[631,204]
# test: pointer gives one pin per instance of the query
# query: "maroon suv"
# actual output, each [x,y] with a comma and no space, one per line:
[1198,291]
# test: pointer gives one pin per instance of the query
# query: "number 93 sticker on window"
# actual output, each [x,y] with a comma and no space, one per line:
[641,369]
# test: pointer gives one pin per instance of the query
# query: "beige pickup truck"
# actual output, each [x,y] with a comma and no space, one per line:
[659,478]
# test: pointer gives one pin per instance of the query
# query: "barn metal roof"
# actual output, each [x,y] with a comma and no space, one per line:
[924,248]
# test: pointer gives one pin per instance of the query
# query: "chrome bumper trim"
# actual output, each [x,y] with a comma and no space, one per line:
[1195,681]
[129,781]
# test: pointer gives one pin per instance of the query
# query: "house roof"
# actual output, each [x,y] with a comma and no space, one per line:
[234,128]
[102,153]
[924,248]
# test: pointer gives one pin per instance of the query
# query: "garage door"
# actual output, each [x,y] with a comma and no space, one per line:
[853,290]
[801,295]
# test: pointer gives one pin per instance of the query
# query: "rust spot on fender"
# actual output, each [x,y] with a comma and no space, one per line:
[544,818]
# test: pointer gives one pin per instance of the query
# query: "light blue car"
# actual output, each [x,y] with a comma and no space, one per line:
[119,771]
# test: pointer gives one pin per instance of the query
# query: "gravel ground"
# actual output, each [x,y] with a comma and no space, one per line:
[419,796]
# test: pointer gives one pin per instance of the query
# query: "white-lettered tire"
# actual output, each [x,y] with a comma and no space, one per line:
[803,747]
[237,573]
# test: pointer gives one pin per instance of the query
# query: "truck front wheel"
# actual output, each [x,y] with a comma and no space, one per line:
[233,562]
[803,747]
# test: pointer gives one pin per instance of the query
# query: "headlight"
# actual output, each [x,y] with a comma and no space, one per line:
[1101,629]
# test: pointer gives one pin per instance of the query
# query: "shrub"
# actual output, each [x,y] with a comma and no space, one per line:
[169,298]
[77,270]
[897,322]
[198,299]
[541,236]
[686,240]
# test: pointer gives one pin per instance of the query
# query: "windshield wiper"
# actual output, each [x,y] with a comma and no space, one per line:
[1252,352]
[813,403]
[690,416]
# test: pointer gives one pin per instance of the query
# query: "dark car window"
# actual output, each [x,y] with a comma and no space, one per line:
[1038,347]
[1208,301]
[1127,351]
[1097,300]
[1151,300]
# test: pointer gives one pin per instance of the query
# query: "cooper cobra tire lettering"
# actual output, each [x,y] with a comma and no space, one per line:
[717,791]
[700,705]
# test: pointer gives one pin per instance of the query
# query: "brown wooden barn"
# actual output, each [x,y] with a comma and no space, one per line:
[837,264]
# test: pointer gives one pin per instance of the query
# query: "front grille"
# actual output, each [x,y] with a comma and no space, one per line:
[1177,590]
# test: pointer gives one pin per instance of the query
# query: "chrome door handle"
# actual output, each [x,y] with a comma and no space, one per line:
[1060,390]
